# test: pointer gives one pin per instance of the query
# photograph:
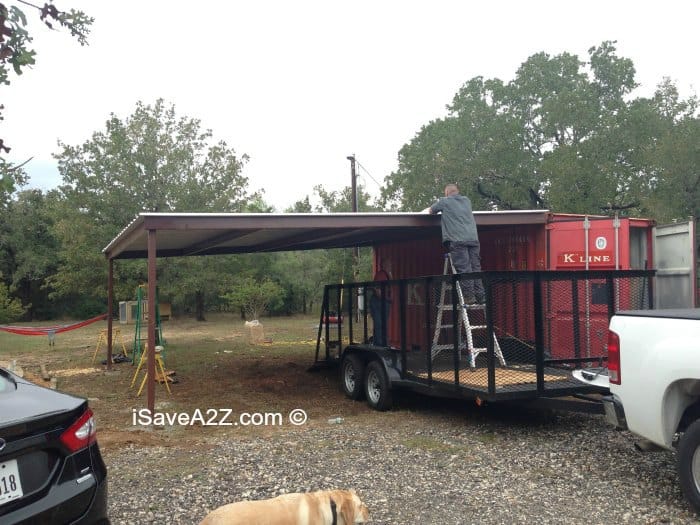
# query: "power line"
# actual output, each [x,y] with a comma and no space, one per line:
[368,173]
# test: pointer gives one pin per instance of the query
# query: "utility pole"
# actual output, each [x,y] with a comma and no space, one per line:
[356,250]
[353,178]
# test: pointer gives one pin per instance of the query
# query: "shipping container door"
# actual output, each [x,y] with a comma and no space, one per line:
[676,265]
[577,313]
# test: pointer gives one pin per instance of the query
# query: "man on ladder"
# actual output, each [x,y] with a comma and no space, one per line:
[460,237]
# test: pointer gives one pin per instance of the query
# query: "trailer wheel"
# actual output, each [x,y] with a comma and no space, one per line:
[352,375]
[689,464]
[377,387]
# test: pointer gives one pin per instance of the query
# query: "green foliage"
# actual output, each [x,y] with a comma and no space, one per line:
[302,275]
[674,156]
[564,134]
[302,206]
[338,201]
[11,309]
[15,39]
[151,161]
[194,284]
[340,264]
[11,177]
[28,249]
[254,297]
[16,55]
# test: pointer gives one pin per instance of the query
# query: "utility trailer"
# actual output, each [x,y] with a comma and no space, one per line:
[520,346]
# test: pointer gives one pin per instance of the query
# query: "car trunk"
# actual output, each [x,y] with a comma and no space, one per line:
[33,461]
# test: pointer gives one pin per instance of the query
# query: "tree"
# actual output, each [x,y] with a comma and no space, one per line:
[16,55]
[674,157]
[151,161]
[254,296]
[302,274]
[11,309]
[564,134]
[28,250]
[339,262]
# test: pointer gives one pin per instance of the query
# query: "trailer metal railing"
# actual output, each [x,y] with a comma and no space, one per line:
[533,330]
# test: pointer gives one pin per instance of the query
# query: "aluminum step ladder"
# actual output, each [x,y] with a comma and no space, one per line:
[463,320]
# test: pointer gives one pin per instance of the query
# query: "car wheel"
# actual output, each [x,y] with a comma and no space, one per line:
[689,464]
[377,389]
[352,372]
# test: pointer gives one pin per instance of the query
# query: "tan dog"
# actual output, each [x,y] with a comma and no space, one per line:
[325,507]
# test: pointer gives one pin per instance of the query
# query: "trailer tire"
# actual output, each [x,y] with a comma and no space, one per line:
[689,464]
[377,388]
[352,375]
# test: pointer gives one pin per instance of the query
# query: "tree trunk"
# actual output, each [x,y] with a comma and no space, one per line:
[199,306]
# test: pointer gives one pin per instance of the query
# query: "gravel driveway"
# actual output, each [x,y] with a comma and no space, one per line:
[434,464]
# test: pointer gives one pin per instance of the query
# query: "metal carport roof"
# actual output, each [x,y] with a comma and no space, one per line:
[186,234]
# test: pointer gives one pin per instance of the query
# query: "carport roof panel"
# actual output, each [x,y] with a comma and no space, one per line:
[183,234]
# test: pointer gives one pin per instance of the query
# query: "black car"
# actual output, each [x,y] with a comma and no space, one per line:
[51,469]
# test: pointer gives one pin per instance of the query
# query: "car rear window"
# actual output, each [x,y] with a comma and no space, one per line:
[5,384]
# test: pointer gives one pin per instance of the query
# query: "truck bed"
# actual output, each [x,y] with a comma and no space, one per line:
[670,313]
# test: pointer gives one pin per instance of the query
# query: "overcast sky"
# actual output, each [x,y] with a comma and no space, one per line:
[299,85]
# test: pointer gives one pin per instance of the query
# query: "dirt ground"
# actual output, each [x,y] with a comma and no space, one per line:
[414,463]
[217,363]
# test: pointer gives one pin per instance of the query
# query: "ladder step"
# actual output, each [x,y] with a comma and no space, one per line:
[472,327]
[445,304]
[462,344]
[448,307]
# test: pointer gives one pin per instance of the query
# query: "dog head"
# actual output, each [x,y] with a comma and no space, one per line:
[351,510]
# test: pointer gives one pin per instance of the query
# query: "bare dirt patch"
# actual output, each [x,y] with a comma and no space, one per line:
[216,366]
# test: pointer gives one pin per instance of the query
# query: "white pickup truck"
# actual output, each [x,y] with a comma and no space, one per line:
[654,379]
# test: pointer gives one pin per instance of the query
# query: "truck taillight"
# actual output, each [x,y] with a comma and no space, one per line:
[80,434]
[614,372]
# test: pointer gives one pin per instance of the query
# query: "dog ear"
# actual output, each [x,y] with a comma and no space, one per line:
[347,511]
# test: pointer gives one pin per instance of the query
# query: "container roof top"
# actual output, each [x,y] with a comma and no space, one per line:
[184,234]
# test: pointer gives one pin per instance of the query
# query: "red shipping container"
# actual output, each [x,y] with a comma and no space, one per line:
[529,240]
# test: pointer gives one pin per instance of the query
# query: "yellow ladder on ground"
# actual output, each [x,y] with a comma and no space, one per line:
[464,322]
[102,338]
[159,366]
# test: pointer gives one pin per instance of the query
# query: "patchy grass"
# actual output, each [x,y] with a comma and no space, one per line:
[217,367]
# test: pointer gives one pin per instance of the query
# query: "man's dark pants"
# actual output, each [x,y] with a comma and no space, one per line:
[466,258]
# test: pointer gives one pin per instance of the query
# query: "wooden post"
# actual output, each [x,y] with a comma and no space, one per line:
[151,374]
[110,300]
